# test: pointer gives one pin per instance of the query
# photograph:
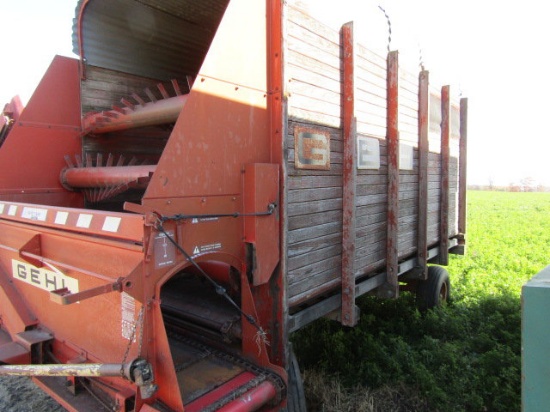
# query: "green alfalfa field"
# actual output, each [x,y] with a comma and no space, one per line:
[465,356]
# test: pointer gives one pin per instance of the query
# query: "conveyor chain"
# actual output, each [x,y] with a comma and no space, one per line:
[262,374]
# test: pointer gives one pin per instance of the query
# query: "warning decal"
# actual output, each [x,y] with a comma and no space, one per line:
[207,248]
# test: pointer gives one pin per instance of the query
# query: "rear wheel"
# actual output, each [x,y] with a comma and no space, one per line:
[296,394]
[435,290]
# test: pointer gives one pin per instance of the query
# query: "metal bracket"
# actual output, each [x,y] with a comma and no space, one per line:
[65,297]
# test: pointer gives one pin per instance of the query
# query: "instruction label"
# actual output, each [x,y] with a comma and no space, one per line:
[165,251]
[128,309]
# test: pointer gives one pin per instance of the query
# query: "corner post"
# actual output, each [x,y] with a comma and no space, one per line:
[423,150]
[445,164]
[349,315]
[391,288]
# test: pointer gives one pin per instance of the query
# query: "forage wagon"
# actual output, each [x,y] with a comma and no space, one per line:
[203,180]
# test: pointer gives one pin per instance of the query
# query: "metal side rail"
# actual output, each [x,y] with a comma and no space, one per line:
[329,305]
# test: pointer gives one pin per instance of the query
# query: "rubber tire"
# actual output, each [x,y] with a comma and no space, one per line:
[296,401]
[435,290]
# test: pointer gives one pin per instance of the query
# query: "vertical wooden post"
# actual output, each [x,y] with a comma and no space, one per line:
[445,163]
[391,287]
[462,184]
[349,317]
[423,150]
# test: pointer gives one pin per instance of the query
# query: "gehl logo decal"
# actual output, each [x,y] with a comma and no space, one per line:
[42,278]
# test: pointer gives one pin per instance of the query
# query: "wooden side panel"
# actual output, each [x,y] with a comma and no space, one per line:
[371,100]
[314,222]
[314,86]
[408,108]
[313,70]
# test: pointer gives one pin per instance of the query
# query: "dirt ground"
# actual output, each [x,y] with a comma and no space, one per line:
[20,394]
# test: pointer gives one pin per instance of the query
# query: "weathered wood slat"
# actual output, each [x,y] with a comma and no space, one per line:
[308,195]
[310,182]
[366,65]
[317,255]
[334,263]
[299,63]
[296,209]
[314,219]
[369,84]
[299,235]
[308,290]
[330,109]
[306,75]
[310,245]
[103,88]
[314,92]
[370,130]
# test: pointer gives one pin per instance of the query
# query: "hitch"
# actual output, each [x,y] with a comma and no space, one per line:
[139,371]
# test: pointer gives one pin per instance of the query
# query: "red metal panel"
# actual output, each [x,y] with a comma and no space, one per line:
[225,124]
[391,287]
[32,156]
[349,177]
[423,150]
[84,255]
[445,163]
[211,397]
[462,184]
[56,100]
[270,298]
[17,317]
[261,189]
[95,222]
[252,400]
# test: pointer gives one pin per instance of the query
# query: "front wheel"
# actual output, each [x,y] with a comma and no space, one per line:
[435,290]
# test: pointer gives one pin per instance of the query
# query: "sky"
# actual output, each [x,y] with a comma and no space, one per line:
[490,52]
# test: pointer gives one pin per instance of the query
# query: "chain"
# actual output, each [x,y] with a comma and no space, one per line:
[389,26]
[138,322]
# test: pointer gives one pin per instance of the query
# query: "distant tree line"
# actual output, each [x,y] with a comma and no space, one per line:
[527,184]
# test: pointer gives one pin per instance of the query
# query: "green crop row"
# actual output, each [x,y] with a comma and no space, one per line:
[465,356]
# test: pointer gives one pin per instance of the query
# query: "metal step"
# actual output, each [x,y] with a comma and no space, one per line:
[20,350]
[12,352]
